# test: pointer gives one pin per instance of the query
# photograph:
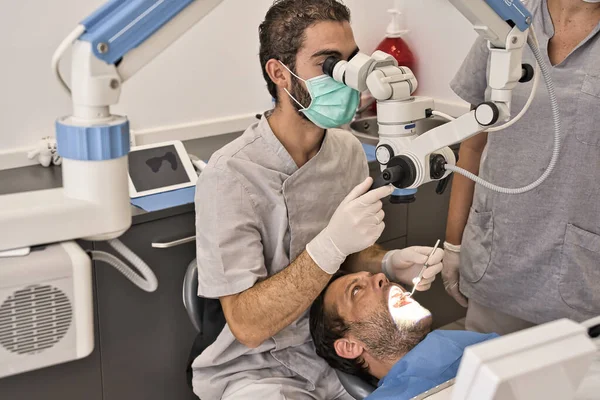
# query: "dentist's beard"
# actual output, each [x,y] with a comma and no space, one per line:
[302,95]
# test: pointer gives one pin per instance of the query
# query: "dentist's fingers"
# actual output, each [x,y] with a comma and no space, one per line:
[375,195]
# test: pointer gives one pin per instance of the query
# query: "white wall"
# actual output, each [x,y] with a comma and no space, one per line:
[441,38]
[209,82]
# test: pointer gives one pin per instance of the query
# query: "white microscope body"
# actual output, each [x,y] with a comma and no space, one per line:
[409,160]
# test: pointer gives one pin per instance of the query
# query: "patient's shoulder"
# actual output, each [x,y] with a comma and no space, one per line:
[463,338]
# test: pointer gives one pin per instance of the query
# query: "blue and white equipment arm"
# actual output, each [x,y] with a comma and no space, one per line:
[109,47]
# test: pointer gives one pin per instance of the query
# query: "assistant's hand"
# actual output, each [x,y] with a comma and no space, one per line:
[355,225]
[404,265]
[451,273]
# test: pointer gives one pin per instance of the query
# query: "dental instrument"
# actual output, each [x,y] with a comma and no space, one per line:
[419,277]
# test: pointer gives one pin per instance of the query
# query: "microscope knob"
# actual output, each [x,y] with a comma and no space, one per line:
[527,73]
[487,114]
[384,154]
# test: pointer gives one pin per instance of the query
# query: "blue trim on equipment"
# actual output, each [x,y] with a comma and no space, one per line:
[370,152]
[100,13]
[92,143]
[125,24]
[512,10]
[411,126]
[404,192]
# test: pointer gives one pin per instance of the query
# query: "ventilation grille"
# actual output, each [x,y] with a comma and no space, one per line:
[34,319]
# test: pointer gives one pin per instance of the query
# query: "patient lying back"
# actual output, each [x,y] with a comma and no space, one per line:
[365,325]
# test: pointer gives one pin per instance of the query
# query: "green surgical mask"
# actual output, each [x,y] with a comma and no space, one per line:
[333,104]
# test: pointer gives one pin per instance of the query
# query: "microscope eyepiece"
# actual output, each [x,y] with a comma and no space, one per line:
[329,65]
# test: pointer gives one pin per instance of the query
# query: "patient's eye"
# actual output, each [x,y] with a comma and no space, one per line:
[355,291]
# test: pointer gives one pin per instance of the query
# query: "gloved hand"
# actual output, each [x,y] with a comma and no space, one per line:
[404,265]
[451,273]
[355,225]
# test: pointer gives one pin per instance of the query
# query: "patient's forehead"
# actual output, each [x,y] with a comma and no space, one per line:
[334,296]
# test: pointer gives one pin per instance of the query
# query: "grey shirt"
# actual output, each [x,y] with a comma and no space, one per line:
[536,256]
[255,213]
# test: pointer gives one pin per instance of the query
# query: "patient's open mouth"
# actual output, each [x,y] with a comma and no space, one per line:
[399,298]
[404,310]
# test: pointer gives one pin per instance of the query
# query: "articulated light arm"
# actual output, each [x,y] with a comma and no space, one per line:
[494,20]
[505,25]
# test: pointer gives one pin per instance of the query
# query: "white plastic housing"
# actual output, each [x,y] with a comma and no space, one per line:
[95,85]
[392,83]
[357,71]
[505,70]
[544,362]
[46,308]
[390,113]
[94,204]
[105,185]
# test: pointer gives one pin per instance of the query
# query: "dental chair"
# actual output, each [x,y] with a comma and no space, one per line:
[207,317]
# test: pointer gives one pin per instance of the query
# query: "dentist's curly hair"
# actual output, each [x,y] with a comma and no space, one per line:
[282,32]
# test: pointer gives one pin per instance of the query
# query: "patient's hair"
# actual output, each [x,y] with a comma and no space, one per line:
[282,32]
[325,328]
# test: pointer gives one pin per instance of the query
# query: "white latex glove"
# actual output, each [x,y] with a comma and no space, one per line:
[355,225]
[404,265]
[451,273]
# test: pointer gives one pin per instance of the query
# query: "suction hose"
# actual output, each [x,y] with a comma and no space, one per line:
[532,41]
[147,281]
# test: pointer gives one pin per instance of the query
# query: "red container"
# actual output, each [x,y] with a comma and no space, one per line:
[398,48]
[394,45]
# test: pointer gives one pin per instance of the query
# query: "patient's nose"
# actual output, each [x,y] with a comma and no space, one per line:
[379,280]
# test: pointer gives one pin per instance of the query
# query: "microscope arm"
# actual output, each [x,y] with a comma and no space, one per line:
[119,39]
[109,47]
[505,25]
[408,159]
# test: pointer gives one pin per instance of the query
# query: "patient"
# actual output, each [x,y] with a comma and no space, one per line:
[364,325]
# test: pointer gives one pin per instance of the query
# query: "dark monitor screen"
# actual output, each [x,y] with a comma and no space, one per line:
[156,168]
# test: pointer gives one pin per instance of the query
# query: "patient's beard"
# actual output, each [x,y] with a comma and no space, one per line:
[386,342]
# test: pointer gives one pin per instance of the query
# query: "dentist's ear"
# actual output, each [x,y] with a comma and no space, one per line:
[278,74]
[348,348]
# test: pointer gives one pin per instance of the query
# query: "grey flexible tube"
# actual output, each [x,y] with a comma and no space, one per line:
[146,282]
[531,40]
[62,48]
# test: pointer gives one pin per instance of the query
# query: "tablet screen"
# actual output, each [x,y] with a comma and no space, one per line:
[156,168]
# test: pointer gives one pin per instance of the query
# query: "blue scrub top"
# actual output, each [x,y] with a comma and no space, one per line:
[432,362]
